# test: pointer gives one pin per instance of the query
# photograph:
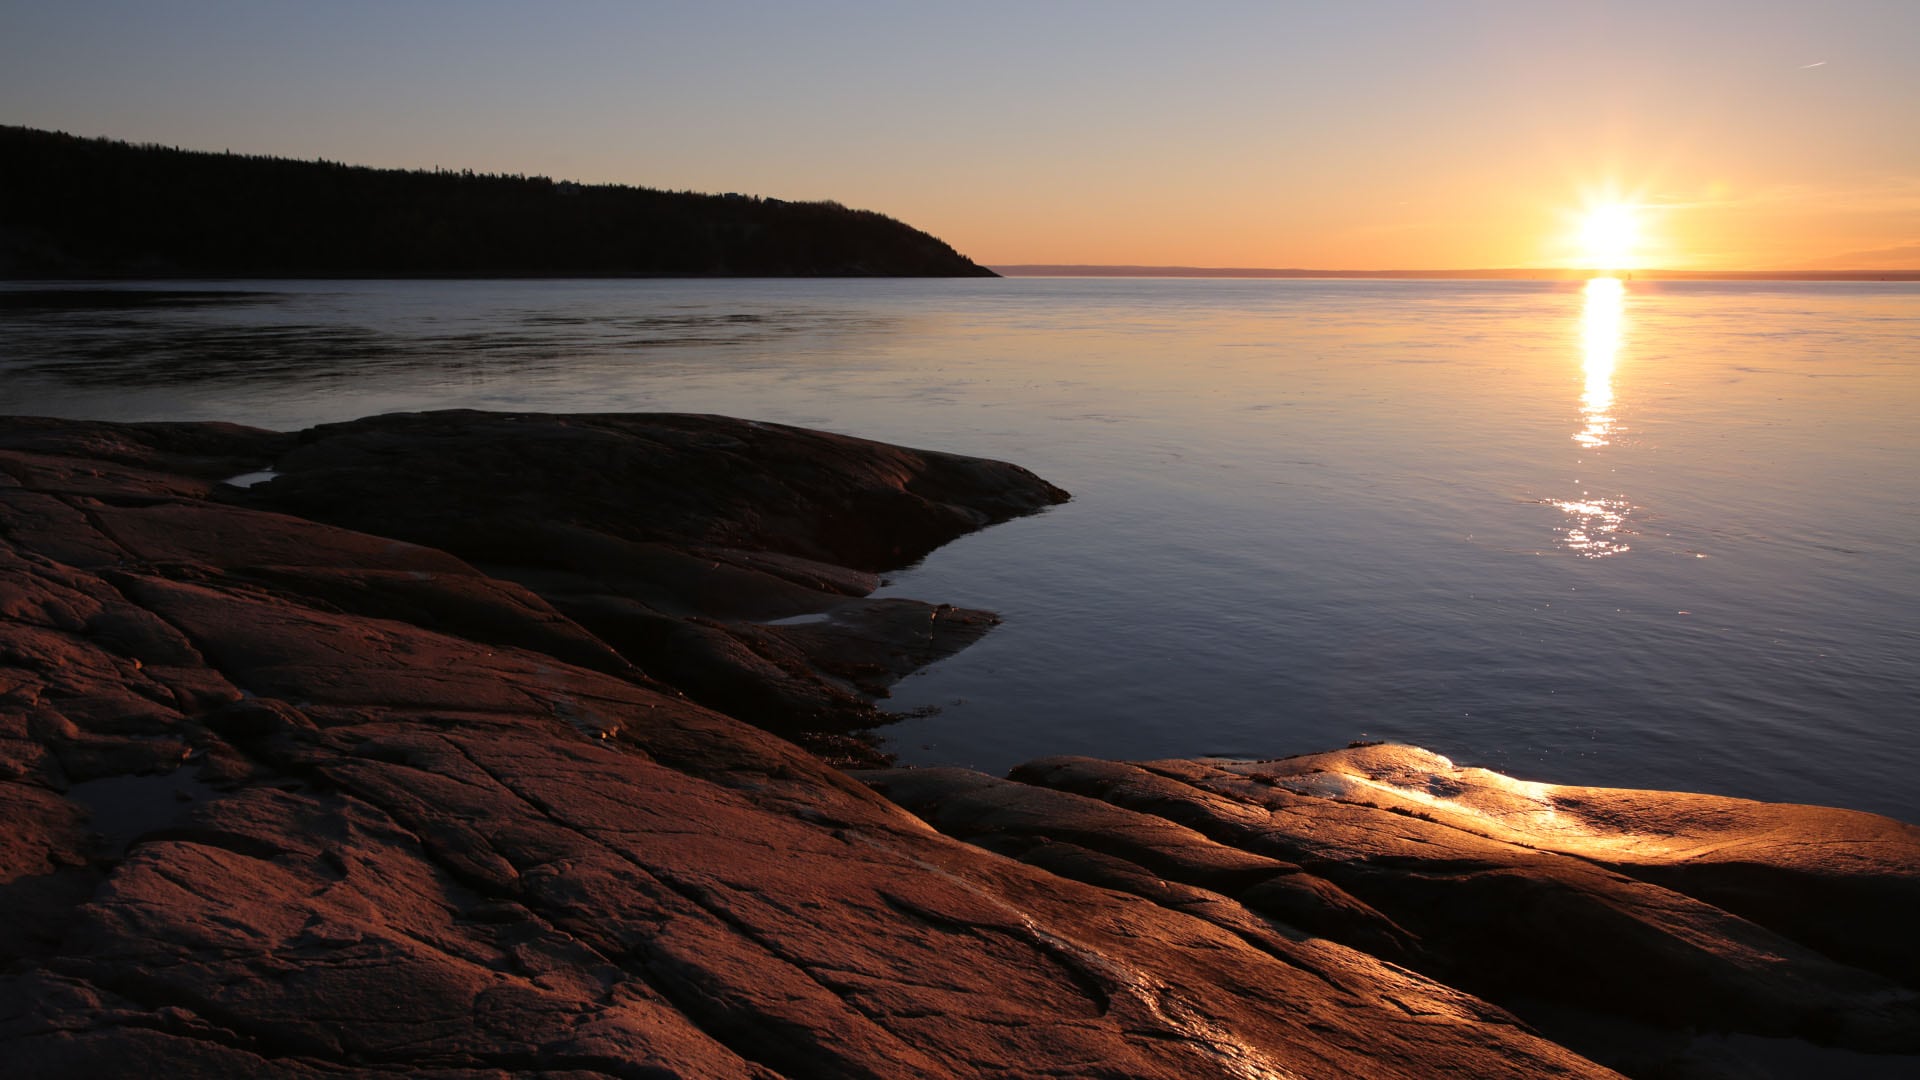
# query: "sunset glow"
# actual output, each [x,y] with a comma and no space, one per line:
[1448,136]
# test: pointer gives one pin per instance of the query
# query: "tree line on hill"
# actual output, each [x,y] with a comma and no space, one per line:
[97,208]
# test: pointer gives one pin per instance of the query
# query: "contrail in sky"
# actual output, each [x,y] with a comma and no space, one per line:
[1816,63]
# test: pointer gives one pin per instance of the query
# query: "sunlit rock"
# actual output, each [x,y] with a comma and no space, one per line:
[1621,921]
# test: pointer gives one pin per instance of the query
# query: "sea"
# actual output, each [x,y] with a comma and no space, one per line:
[1617,533]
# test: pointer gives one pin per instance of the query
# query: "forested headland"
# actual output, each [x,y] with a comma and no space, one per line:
[96,208]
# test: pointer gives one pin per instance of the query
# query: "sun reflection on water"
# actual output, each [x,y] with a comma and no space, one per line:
[1600,325]
[1598,528]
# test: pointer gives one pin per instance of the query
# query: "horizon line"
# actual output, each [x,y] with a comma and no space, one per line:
[1556,273]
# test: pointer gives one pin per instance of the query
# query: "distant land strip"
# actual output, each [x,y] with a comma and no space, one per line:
[98,209]
[1507,274]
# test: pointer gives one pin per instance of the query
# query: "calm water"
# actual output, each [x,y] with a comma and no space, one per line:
[1660,537]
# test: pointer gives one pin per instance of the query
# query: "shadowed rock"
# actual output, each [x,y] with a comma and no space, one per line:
[674,539]
[661,542]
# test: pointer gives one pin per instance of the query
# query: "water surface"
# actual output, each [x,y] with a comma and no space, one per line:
[1658,535]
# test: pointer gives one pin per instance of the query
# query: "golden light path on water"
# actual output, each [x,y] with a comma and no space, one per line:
[1597,529]
[1600,319]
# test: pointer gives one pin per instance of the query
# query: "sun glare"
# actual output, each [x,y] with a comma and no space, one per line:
[1607,237]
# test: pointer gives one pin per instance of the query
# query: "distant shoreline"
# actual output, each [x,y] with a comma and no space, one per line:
[1511,274]
[74,208]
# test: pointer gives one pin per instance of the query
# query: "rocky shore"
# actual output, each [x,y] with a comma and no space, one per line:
[467,745]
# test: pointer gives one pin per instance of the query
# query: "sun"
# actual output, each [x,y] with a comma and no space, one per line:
[1607,236]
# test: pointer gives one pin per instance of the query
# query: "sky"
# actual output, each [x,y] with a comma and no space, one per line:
[1367,134]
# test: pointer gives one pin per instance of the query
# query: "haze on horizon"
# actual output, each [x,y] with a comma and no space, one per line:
[1375,135]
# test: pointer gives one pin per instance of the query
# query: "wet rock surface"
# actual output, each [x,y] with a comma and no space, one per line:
[397,762]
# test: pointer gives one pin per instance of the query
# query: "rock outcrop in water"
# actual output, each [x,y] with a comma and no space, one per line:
[397,762]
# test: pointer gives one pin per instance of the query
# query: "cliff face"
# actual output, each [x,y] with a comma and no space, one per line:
[398,760]
[73,207]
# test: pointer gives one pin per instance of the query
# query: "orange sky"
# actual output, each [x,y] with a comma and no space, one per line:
[1370,135]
